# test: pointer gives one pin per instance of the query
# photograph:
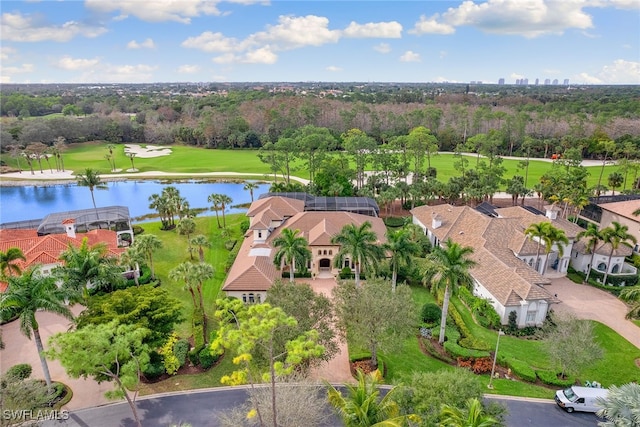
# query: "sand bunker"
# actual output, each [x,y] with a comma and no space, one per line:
[147,151]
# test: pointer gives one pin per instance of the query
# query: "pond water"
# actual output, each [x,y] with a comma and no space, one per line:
[31,202]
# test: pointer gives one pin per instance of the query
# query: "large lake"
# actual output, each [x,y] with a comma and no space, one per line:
[31,202]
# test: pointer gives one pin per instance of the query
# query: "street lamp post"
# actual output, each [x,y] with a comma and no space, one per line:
[495,357]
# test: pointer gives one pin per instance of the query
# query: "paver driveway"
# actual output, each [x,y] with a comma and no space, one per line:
[587,302]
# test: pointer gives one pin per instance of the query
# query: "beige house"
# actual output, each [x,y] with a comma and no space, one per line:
[622,212]
[509,272]
[254,271]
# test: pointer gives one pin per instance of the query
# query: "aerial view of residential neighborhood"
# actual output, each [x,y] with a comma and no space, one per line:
[306,213]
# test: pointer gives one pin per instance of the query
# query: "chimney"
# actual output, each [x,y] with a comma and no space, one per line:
[70,227]
[436,221]
[552,212]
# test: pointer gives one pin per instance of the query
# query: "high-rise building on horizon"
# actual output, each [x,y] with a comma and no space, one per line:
[566,82]
[501,81]
[547,81]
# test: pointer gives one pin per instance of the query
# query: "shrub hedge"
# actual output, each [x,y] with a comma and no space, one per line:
[19,372]
[207,359]
[181,350]
[551,378]
[522,369]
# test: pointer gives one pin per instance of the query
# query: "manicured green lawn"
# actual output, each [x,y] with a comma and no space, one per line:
[187,160]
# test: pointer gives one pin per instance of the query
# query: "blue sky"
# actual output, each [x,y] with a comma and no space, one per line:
[140,41]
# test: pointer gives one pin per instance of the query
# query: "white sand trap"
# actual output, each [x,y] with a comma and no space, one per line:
[148,151]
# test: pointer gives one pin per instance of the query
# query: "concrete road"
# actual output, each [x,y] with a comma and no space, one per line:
[541,413]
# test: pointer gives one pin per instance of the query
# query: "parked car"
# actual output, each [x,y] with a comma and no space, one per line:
[580,398]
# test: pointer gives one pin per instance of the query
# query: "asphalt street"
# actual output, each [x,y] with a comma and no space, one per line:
[203,408]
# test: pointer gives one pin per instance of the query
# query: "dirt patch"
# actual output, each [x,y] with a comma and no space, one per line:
[638,362]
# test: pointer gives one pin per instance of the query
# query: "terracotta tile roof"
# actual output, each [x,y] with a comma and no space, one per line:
[262,220]
[283,206]
[503,274]
[624,209]
[47,249]
[253,270]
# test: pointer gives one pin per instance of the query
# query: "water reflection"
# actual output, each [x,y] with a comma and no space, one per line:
[31,202]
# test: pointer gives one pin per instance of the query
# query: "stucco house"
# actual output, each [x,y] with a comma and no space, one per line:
[508,273]
[254,271]
[44,251]
[621,212]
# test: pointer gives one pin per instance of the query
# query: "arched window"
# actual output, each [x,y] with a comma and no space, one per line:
[330,252]
[259,298]
[615,269]
[244,298]
[602,266]
[251,298]
[531,262]
[319,252]
[324,252]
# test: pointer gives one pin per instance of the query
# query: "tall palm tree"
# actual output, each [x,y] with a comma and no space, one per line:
[448,267]
[87,267]
[201,241]
[472,415]
[29,293]
[224,202]
[250,186]
[148,244]
[112,158]
[363,407]
[615,235]
[401,248]
[536,232]
[553,236]
[215,200]
[7,266]
[91,179]
[593,237]
[200,273]
[360,244]
[183,273]
[187,226]
[291,247]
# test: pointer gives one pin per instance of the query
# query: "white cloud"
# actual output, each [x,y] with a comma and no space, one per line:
[211,42]
[226,58]
[333,69]
[517,76]
[293,32]
[432,26]
[6,51]
[263,55]
[382,48]
[24,68]
[528,18]
[28,28]
[147,44]
[410,56]
[69,63]
[158,11]
[621,71]
[188,69]
[109,73]
[389,30]
[585,78]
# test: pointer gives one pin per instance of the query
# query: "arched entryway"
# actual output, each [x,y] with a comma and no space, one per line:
[325,264]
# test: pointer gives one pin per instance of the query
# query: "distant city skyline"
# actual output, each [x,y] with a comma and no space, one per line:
[119,41]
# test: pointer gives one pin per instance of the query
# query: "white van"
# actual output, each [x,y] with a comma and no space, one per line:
[580,398]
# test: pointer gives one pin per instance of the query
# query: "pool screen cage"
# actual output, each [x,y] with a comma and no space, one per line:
[87,219]
[360,205]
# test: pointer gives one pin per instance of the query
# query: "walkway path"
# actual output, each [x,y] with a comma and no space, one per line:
[587,302]
[338,369]
[18,349]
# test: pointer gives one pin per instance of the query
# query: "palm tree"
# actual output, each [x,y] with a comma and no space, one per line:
[29,293]
[472,416]
[250,186]
[131,156]
[631,294]
[215,200]
[615,235]
[621,408]
[201,242]
[448,267]
[7,267]
[593,237]
[401,248]
[132,258]
[537,232]
[360,245]
[224,200]
[553,236]
[290,247]
[147,244]
[112,158]
[187,226]
[88,267]
[91,178]
[200,273]
[363,407]
[183,273]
